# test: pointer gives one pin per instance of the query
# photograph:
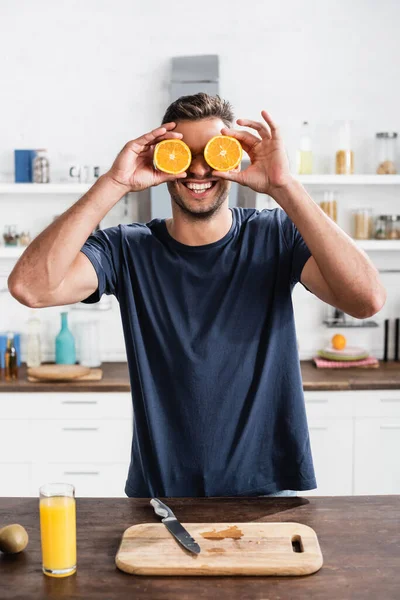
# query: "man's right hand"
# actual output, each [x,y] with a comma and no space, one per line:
[133,168]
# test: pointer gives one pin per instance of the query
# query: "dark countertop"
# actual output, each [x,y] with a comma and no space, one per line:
[115,379]
[359,539]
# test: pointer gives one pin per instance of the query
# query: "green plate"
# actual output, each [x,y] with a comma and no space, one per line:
[341,358]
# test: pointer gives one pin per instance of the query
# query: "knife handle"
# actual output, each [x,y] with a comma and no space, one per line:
[161,509]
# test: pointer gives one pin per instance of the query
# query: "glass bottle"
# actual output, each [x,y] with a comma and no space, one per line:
[386,150]
[41,167]
[345,155]
[34,357]
[304,153]
[65,344]
[10,360]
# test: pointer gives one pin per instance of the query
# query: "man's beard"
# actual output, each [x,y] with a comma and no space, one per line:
[198,215]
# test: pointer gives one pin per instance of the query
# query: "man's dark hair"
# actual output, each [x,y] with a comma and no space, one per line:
[199,106]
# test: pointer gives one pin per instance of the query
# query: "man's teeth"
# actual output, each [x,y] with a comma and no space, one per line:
[199,187]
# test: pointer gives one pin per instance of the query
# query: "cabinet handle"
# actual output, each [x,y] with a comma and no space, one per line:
[316,400]
[318,428]
[80,428]
[78,401]
[81,473]
[390,427]
[390,399]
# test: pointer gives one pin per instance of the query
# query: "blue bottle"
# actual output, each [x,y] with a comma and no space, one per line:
[65,344]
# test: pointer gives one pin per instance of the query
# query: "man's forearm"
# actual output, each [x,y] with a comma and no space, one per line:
[47,259]
[346,269]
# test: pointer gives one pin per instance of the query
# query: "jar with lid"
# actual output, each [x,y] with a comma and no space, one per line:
[386,152]
[362,220]
[10,235]
[329,205]
[41,167]
[393,227]
[344,154]
[381,227]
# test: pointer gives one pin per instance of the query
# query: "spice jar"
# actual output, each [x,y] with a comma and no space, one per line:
[386,151]
[393,227]
[381,227]
[345,155]
[362,219]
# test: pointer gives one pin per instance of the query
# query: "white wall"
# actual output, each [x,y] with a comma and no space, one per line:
[83,77]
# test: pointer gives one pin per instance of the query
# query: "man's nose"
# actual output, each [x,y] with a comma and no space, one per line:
[199,169]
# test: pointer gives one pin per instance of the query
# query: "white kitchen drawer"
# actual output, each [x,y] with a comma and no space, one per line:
[81,441]
[15,480]
[14,405]
[89,479]
[15,441]
[377,403]
[78,405]
[329,404]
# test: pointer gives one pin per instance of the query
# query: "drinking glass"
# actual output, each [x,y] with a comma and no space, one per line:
[58,529]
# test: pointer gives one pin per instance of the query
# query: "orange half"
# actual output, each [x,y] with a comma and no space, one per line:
[172,156]
[223,153]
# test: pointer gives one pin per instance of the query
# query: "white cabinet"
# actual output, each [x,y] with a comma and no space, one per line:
[355,441]
[80,438]
[332,446]
[15,479]
[377,456]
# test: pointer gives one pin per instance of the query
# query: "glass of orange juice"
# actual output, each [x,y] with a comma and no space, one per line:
[58,529]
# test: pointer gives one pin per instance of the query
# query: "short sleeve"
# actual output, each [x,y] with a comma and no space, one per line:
[297,247]
[103,250]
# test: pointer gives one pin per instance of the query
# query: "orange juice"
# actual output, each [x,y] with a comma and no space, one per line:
[58,535]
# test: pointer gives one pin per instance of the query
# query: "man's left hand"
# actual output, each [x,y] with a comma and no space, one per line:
[269,168]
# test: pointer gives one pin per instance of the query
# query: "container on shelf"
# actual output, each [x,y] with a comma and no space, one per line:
[304,153]
[386,151]
[393,227]
[387,227]
[381,227]
[10,235]
[362,222]
[344,154]
[41,167]
[329,205]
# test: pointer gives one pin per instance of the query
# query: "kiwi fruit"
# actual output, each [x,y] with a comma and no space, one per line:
[13,539]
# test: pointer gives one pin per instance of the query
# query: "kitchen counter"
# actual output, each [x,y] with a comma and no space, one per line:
[359,539]
[115,379]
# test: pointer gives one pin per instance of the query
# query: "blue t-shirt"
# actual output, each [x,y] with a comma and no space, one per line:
[214,369]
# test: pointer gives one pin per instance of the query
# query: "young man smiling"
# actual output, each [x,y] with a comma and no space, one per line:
[206,307]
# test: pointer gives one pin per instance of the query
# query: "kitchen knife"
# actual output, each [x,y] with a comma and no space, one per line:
[174,527]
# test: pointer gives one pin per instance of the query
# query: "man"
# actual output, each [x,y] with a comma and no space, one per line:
[206,308]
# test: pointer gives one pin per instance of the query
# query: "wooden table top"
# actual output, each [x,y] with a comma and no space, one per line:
[116,379]
[359,539]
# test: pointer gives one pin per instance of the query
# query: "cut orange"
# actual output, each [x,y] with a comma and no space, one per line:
[339,342]
[223,153]
[172,156]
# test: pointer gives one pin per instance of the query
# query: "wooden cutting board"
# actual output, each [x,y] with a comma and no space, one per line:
[226,549]
[63,373]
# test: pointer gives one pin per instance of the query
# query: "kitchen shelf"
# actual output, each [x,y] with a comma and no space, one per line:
[349,179]
[363,325]
[44,188]
[378,244]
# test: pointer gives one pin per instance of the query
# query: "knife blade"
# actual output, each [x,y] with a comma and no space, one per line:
[174,527]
